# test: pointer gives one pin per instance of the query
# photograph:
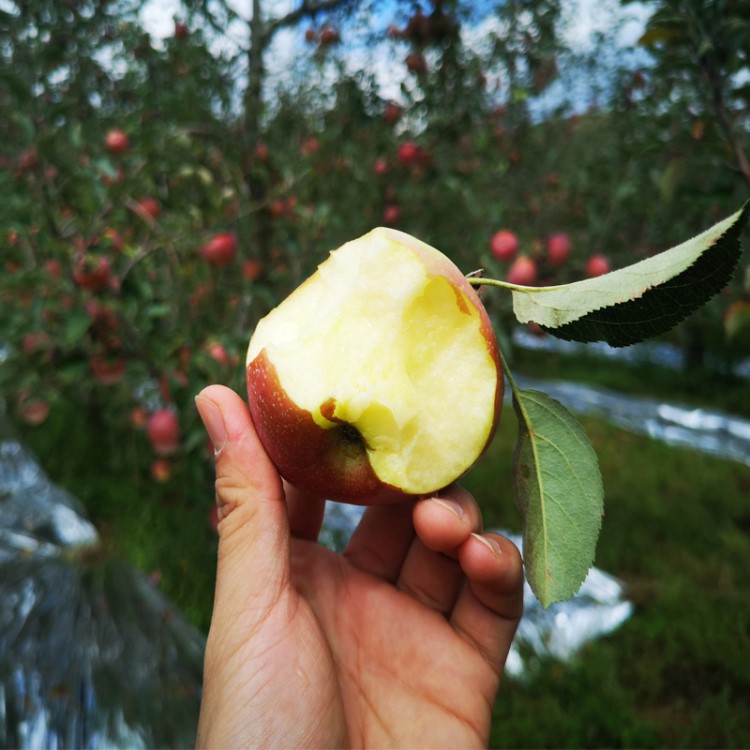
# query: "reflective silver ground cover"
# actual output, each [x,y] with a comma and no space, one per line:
[91,654]
[560,631]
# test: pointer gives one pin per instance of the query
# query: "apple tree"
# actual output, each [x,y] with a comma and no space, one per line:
[118,168]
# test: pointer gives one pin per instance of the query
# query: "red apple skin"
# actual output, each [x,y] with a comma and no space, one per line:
[252,269]
[219,353]
[523,272]
[504,245]
[117,142]
[392,213]
[220,250]
[329,35]
[33,411]
[416,63]
[92,273]
[408,153]
[392,113]
[330,463]
[324,462]
[597,265]
[163,430]
[151,207]
[107,370]
[558,248]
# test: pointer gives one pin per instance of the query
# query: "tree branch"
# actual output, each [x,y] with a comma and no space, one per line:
[306,8]
[717,98]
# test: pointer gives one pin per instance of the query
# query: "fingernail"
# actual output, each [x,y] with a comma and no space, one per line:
[489,542]
[213,421]
[450,505]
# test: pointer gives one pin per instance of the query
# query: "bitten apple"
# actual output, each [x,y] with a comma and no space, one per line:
[378,377]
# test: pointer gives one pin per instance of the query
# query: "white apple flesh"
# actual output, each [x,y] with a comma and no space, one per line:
[379,376]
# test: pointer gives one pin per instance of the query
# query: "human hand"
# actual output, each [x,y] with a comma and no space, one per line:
[399,641]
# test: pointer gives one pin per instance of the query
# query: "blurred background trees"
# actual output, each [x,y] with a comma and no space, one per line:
[123,155]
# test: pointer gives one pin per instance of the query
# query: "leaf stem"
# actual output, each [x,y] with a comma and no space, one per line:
[480,281]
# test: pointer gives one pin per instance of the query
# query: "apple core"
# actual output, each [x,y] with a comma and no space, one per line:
[381,371]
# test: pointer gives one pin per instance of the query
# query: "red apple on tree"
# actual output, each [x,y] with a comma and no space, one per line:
[217,351]
[150,207]
[416,63]
[92,273]
[408,153]
[504,245]
[32,410]
[329,35]
[117,142]
[523,271]
[391,213]
[310,146]
[558,248]
[392,113]
[597,265]
[163,431]
[252,269]
[107,369]
[350,379]
[220,250]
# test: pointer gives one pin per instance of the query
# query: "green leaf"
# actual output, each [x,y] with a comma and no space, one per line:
[76,324]
[559,492]
[16,85]
[642,300]
[657,35]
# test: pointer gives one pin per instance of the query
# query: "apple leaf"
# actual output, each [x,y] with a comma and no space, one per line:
[642,300]
[559,492]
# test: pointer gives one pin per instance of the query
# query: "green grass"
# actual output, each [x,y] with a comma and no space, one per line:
[676,674]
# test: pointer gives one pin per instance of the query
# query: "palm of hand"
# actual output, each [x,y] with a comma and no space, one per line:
[398,671]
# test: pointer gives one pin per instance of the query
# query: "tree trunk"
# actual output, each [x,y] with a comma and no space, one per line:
[256,179]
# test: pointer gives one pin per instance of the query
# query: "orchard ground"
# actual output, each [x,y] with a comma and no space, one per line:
[675,531]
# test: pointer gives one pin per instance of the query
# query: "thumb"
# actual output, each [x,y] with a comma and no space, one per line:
[253,556]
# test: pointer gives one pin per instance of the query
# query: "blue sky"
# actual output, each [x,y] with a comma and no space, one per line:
[582,19]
